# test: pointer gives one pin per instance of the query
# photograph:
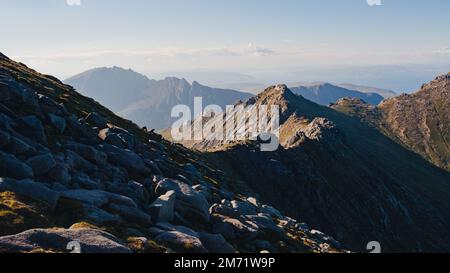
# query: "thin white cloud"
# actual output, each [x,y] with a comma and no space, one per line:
[73,2]
[249,50]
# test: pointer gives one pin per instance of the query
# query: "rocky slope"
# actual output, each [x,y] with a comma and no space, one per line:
[343,177]
[325,93]
[75,176]
[147,102]
[419,121]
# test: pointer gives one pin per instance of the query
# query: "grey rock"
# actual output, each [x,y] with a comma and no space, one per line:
[153,166]
[131,214]
[118,137]
[265,223]
[188,201]
[31,189]
[224,210]
[271,211]
[17,147]
[4,138]
[216,243]
[121,200]
[233,229]
[6,123]
[86,182]
[90,240]
[36,126]
[41,164]
[96,120]
[60,173]
[50,106]
[88,153]
[244,208]
[12,167]
[96,198]
[125,158]
[127,190]
[57,122]
[162,210]
[181,242]
[78,163]
[5,93]
[169,227]
[100,216]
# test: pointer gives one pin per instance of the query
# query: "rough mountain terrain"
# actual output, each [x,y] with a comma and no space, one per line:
[419,121]
[73,174]
[147,102]
[343,177]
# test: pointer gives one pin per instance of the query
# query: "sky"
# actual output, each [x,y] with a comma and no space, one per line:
[257,40]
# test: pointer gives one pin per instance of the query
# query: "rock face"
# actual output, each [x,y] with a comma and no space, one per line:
[188,201]
[338,174]
[66,161]
[418,121]
[58,240]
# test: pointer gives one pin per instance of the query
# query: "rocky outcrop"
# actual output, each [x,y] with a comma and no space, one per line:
[59,240]
[73,163]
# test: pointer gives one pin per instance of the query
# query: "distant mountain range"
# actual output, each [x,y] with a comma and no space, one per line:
[147,102]
[326,93]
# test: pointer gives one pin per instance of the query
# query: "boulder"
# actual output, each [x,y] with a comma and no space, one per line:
[271,211]
[31,189]
[17,147]
[232,228]
[244,208]
[121,200]
[50,106]
[78,163]
[4,138]
[100,216]
[188,201]
[57,122]
[96,198]
[5,93]
[223,210]
[41,164]
[125,158]
[89,240]
[180,242]
[36,127]
[12,167]
[131,214]
[60,173]
[86,182]
[88,153]
[266,224]
[216,243]
[96,120]
[6,123]
[162,210]
[132,189]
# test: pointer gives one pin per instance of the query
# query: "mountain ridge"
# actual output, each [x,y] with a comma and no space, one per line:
[148,102]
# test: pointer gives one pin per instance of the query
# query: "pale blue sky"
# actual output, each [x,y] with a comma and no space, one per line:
[159,36]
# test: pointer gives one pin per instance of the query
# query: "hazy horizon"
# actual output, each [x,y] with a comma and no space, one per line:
[397,45]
